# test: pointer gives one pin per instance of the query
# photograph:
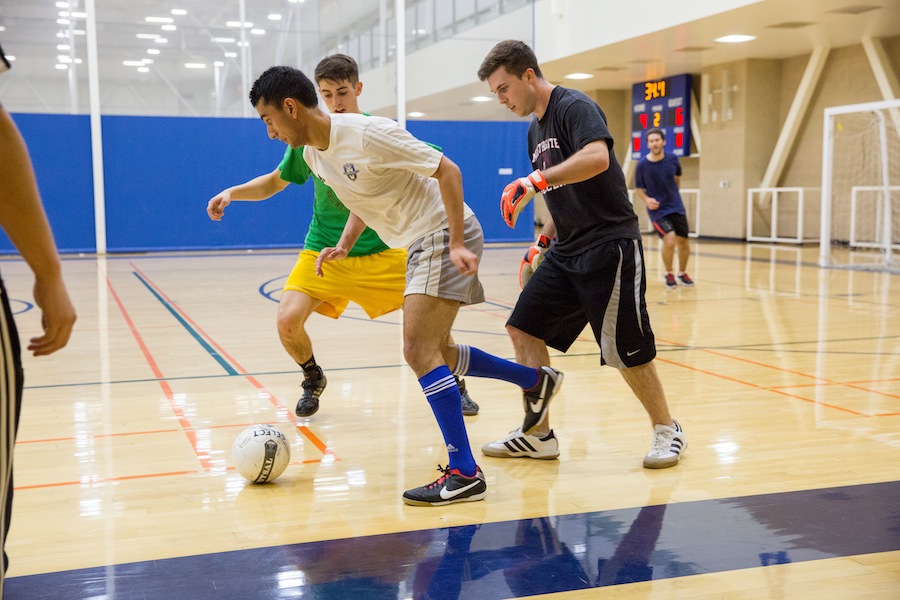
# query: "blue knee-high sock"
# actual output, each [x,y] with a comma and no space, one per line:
[442,394]
[477,363]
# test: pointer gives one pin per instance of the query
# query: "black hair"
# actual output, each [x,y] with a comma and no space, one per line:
[515,56]
[279,83]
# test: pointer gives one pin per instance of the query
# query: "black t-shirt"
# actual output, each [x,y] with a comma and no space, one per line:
[589,212]
[4,64]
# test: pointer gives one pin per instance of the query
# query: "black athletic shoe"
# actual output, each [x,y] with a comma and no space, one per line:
[309,401]
[449,488]
[469,407]
[537,399]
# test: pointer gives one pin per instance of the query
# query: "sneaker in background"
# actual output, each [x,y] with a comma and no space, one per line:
[520,445]
[309,401]
[537,399]
[685,280]
[670,281]
[469,407]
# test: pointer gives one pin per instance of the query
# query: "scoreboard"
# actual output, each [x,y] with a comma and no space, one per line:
[663,103]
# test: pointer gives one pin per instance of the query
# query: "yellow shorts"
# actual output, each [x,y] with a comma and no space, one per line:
[375,282]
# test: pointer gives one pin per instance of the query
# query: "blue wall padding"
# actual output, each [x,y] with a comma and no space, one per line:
[159,173]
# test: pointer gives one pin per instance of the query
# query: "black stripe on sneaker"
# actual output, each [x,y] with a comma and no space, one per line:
[519,445]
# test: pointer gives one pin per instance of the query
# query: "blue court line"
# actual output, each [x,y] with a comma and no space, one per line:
[513,559]
[212,352]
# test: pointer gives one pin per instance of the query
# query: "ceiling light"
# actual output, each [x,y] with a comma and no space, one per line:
[415,114]
[62,5]
[61,67]
[481,99]
[62,21]
[223,40]
[147,61]
[274,17]
[179,12]
[143,69]
[147,36]
[231,55]
[78,31]
[218,63]
[194,65]
[63,47]
[63,58]
[152,50]
[736,38]
[133,63]
[258,31]
[246,24]
[579,76]
[168,28]
[161,40]
[159,19]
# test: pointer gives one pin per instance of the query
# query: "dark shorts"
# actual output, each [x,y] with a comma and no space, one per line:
[605,287]
[676,222]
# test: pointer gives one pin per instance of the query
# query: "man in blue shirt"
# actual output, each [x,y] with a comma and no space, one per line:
[656,181]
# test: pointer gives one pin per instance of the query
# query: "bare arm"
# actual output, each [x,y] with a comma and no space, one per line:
[450,180]
[549,228]
[651,202]
[352,230]
[23,219]
[591,160]
[258,188]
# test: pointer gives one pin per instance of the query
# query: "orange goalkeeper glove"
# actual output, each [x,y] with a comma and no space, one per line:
[534,256]
[518,194]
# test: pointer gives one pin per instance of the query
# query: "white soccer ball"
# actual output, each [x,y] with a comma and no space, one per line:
[261,453]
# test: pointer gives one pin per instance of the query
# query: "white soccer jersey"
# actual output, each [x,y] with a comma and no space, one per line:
[384,175]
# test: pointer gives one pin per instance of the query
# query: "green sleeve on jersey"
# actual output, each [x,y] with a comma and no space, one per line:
[293,166]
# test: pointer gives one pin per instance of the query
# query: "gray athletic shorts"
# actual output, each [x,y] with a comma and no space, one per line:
[430,272]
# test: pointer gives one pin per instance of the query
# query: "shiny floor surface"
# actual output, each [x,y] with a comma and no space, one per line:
[785,377]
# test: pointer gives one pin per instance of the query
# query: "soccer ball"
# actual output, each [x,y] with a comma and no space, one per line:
[261,453]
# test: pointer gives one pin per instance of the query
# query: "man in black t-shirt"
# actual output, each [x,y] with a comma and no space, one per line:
[593,271]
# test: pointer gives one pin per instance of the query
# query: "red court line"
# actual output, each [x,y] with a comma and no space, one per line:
[318,443]
[105,480]
[848,384]
[167,390]
[761,387]
[97,436]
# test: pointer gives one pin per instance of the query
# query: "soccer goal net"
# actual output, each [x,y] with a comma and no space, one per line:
[860,226]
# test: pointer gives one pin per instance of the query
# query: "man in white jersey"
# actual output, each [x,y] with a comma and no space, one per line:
[411,195]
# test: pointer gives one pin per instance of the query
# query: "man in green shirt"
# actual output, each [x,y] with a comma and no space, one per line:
[373,275]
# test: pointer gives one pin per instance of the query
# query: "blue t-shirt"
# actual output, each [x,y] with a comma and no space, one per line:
[658,181]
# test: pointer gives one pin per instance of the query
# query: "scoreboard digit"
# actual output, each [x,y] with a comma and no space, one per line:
[663,103]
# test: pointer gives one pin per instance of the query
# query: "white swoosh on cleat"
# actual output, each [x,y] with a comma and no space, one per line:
[450,494]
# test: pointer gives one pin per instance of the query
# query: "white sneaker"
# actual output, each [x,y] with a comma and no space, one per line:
[669,443]
[520,445]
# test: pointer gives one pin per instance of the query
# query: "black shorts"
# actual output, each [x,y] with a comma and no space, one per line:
[676,222]
[605,287]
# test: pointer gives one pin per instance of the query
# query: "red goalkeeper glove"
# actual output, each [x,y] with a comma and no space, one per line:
[518,194]
[534,256]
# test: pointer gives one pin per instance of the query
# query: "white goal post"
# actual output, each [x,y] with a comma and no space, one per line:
[860,221]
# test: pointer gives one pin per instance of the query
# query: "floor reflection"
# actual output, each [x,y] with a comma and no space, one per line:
[516,558]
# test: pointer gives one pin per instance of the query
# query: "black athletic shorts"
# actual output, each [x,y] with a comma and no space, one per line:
[605,287]
[676,222]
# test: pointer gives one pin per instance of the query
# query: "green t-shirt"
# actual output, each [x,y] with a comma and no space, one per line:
[329,214]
